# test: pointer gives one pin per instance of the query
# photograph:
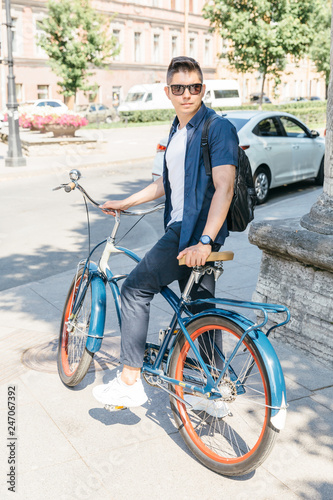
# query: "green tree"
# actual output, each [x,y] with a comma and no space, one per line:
[262,32]
[320,47]
[77,39]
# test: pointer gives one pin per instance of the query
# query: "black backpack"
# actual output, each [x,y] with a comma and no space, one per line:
[241,211]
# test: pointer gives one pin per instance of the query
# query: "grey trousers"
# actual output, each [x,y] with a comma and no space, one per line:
[157,269]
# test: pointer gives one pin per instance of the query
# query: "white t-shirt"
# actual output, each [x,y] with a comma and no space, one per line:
[175,160]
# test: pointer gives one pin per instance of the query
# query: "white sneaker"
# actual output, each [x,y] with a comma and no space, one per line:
[118,395]
[215,408]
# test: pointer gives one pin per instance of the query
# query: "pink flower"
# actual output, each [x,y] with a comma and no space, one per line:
[48,116]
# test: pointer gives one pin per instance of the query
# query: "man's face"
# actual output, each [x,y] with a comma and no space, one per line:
[186,105]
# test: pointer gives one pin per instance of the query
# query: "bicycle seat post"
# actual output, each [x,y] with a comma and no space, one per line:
[195,275]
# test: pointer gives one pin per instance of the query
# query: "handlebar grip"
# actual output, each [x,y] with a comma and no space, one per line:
[69,187]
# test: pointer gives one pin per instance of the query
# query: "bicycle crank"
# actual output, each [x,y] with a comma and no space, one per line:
[114,408]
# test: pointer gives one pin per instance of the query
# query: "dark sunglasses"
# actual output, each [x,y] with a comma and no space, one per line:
[194,89]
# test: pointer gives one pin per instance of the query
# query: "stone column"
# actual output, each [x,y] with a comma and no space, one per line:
[320,218]
[297,263]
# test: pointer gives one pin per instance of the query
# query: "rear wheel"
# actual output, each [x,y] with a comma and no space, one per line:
[73,357]
[237,440]
[261,184]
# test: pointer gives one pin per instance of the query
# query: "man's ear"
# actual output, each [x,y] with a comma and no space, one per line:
[203,89]
[167,90]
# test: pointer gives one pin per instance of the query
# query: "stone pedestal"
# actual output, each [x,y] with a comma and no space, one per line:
[297,271]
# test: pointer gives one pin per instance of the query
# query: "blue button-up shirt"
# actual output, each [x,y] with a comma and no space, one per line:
[198,186]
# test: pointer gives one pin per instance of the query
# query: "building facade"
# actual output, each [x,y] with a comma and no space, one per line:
[149,33]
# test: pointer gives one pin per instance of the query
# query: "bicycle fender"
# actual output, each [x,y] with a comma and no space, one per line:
[98,309]
[270,359]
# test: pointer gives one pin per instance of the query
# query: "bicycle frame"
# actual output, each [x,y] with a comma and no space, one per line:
[101,274]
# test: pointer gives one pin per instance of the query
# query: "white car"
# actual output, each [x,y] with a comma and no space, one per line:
[53,103]
[281,149]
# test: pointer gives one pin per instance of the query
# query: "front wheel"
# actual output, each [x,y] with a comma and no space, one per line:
[73,357]
[232,435]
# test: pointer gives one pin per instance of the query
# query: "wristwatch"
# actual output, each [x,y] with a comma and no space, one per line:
[206,240]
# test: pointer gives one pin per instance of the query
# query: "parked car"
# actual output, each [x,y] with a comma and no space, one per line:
[315,98]
[255,98]
[294,99]
[53,103]
[281,149]
[146,97]
[97,112]
[222,93]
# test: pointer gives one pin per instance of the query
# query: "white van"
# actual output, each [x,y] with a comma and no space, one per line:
[146,96]
[222,93]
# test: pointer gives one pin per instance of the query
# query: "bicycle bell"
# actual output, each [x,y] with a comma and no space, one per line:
[74,175]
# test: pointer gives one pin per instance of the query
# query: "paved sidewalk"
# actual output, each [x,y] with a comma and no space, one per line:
[68,447]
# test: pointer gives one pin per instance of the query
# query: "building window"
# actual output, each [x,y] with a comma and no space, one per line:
[38,33]
[224,48]
[207,53]
[116,94]
[14,35]
[116,35]
[43,92]
[286,91]
[19,92]
[137,46]
[174,46]
[192,47]
[156,48]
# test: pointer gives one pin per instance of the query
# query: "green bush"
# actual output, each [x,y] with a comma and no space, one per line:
[313,112]
[150,115]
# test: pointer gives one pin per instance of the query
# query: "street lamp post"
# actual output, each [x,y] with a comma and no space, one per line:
[14,156]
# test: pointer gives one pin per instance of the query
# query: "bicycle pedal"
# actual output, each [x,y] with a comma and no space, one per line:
[114,408]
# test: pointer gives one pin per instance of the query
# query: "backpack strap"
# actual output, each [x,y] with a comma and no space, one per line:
[205,145]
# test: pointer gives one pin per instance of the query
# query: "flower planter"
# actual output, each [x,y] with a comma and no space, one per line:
[37,129]
[61,130]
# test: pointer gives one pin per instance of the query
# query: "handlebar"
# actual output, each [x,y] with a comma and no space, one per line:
[75,176]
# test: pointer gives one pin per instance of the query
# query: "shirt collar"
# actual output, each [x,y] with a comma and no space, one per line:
[195,120]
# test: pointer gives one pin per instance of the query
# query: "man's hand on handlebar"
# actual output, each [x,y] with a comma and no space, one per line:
[110,207]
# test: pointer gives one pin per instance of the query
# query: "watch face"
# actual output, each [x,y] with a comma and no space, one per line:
[205,240]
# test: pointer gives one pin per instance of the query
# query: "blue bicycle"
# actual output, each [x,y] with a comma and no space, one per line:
[217,358]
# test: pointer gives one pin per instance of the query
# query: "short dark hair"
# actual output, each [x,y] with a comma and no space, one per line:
[185,64]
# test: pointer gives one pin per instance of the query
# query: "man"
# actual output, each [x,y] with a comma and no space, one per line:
[196,207]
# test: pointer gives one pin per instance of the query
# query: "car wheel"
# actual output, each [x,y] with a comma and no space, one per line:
[108,119]
[261,184]
[319,180]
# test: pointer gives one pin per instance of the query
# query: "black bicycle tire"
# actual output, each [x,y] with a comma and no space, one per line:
[269,434]
[82,369]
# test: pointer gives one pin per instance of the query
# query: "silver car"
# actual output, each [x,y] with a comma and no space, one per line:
[281,149]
